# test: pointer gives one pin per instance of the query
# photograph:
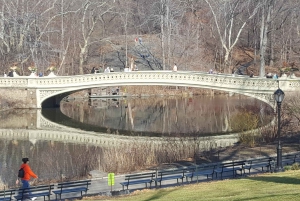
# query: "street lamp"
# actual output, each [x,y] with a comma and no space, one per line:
[279,96]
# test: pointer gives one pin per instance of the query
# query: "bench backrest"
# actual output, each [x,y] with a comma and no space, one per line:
[37,188]
[171,172]
[297,157]
[202,167]
[260,160]
[7,193]
[149,175]
[291,157]
[72,184]
[232,164]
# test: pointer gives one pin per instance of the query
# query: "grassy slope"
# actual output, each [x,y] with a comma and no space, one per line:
[273,186]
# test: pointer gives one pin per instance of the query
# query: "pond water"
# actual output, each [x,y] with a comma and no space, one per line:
[162,118]
[172,116]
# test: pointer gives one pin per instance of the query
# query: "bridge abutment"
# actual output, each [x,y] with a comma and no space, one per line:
[18,98]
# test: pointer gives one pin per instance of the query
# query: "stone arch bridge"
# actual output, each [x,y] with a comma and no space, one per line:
[38,92]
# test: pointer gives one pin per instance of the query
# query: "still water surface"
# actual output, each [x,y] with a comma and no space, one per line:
[164,117]
[173,116]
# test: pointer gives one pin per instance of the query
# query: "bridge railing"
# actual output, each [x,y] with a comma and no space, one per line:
[180,78]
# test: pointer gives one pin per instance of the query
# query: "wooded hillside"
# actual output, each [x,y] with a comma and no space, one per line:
[76,35]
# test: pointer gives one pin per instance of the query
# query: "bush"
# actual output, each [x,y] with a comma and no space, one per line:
[246,121]
[295,166]
[250,139]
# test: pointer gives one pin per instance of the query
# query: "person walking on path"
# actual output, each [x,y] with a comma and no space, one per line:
[28,173]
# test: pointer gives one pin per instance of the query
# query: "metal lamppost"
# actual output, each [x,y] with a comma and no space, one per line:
[279,96]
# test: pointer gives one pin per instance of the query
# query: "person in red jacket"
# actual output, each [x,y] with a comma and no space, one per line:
[28,174]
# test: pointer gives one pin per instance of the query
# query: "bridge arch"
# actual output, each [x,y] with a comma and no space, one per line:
[265,97]
[46,87]
[241,84]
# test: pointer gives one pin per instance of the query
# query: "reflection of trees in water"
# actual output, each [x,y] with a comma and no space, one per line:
[18,118]
[56,161]
[172,115]
[50,160]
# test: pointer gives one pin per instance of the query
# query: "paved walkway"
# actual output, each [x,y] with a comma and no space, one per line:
[100,186]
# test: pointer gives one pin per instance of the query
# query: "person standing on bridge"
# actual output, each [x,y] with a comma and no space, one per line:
[107,70]
[251,74]
[175,67]
[275,77]
[93,70]
[10,73]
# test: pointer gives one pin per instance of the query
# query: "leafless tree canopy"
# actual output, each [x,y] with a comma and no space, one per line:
[76,35]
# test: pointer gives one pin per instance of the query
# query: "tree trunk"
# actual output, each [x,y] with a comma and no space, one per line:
[162,34]
[264,37]
[262,45]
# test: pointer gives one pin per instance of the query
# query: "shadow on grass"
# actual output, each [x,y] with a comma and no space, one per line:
[274,179]
[160,193]
[269,197]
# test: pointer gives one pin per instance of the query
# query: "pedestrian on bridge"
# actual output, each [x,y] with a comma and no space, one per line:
[251,74]
[10,73]
[93,70]
[107,70]
[269,75]
[275,77]
[175,67]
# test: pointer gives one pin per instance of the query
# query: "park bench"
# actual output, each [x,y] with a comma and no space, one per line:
[202,170]
[230,167]
[297,158]
[261,164]
[289,159]
[142,178]
[34,191]
[6,195]
[72,187]
[170,174]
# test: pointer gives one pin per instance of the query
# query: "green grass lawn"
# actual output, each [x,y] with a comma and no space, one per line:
[270,186]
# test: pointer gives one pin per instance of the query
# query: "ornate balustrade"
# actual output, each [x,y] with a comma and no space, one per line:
[261,88]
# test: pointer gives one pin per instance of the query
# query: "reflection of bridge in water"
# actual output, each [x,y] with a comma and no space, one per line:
[49,131]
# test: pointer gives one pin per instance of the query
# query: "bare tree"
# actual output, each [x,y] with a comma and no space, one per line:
[265,22]
[91,12]
[229,13]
